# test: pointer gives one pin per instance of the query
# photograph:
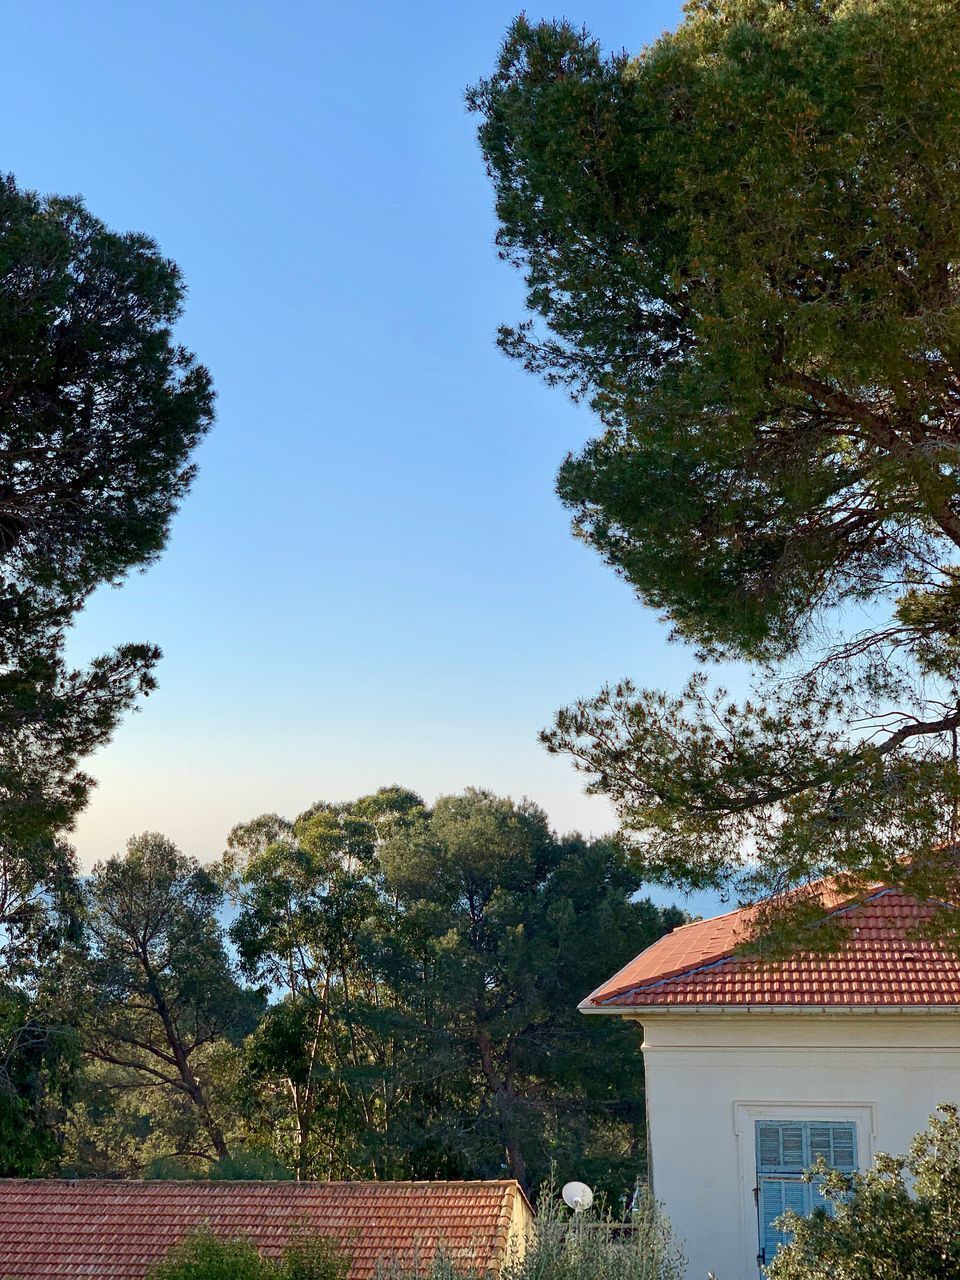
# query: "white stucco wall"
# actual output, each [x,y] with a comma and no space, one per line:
[710,1076]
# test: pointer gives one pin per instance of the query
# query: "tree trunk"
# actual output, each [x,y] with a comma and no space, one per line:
[503,1099]
[191,1085]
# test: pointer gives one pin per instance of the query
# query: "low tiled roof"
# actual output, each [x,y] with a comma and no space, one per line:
[880,963]
[52,1230]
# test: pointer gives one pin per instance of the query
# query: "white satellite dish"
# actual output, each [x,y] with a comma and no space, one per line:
[577,1196]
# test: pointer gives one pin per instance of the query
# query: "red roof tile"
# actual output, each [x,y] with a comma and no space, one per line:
[881,963]
[99,1230]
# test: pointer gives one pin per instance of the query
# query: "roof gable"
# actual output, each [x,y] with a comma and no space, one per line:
[107,1230]
[879,965]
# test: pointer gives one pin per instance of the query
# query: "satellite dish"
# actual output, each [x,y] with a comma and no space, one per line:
[577,1196]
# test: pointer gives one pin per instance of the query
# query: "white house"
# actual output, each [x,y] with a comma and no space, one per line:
[753,1071]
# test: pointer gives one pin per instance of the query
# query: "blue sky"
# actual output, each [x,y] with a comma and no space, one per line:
[372,580]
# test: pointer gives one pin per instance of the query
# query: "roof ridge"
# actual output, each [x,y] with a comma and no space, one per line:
[692,924]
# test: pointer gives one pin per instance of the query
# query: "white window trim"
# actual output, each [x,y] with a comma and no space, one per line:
[745,1117]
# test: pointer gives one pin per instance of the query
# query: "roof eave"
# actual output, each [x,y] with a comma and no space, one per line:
[661,1010]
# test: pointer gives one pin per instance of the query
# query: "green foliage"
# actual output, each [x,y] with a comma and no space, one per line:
[99,412]
[254,1165]
[39,908]
[39,1059]
[897,1221]
[416,977]
[312,913]
[101,408]
[516,926]
[428,964]
[205,1257]
[249,1165]
[39,1042]
[741,247]
[591,1246]
[769,792]
[162,996]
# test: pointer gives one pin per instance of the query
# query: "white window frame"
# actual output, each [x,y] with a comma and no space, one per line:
[745,1116]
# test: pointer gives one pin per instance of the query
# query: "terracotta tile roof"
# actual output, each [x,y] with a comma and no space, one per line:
[880,964]
[117,1230]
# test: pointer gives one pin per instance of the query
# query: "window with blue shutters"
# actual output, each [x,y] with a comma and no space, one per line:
[785,1148]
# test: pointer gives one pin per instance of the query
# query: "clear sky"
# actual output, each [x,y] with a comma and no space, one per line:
[372,580]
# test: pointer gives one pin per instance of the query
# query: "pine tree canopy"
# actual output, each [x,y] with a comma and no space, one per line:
[100,410]
[741,248]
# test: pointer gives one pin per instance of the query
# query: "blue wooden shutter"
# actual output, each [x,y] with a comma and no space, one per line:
[780,1147]
[837,1144]
[777,1195]
[781,1150]
[784,1150]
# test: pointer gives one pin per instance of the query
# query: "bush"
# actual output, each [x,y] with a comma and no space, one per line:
[589,1246]
[899,1220]
[206,1257]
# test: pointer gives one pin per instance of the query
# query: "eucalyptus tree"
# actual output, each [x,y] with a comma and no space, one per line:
[426,964]
[741,248]
[311,918]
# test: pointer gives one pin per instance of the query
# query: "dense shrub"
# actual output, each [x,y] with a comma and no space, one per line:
[591,1246]
[899,1220]
[205,1257]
